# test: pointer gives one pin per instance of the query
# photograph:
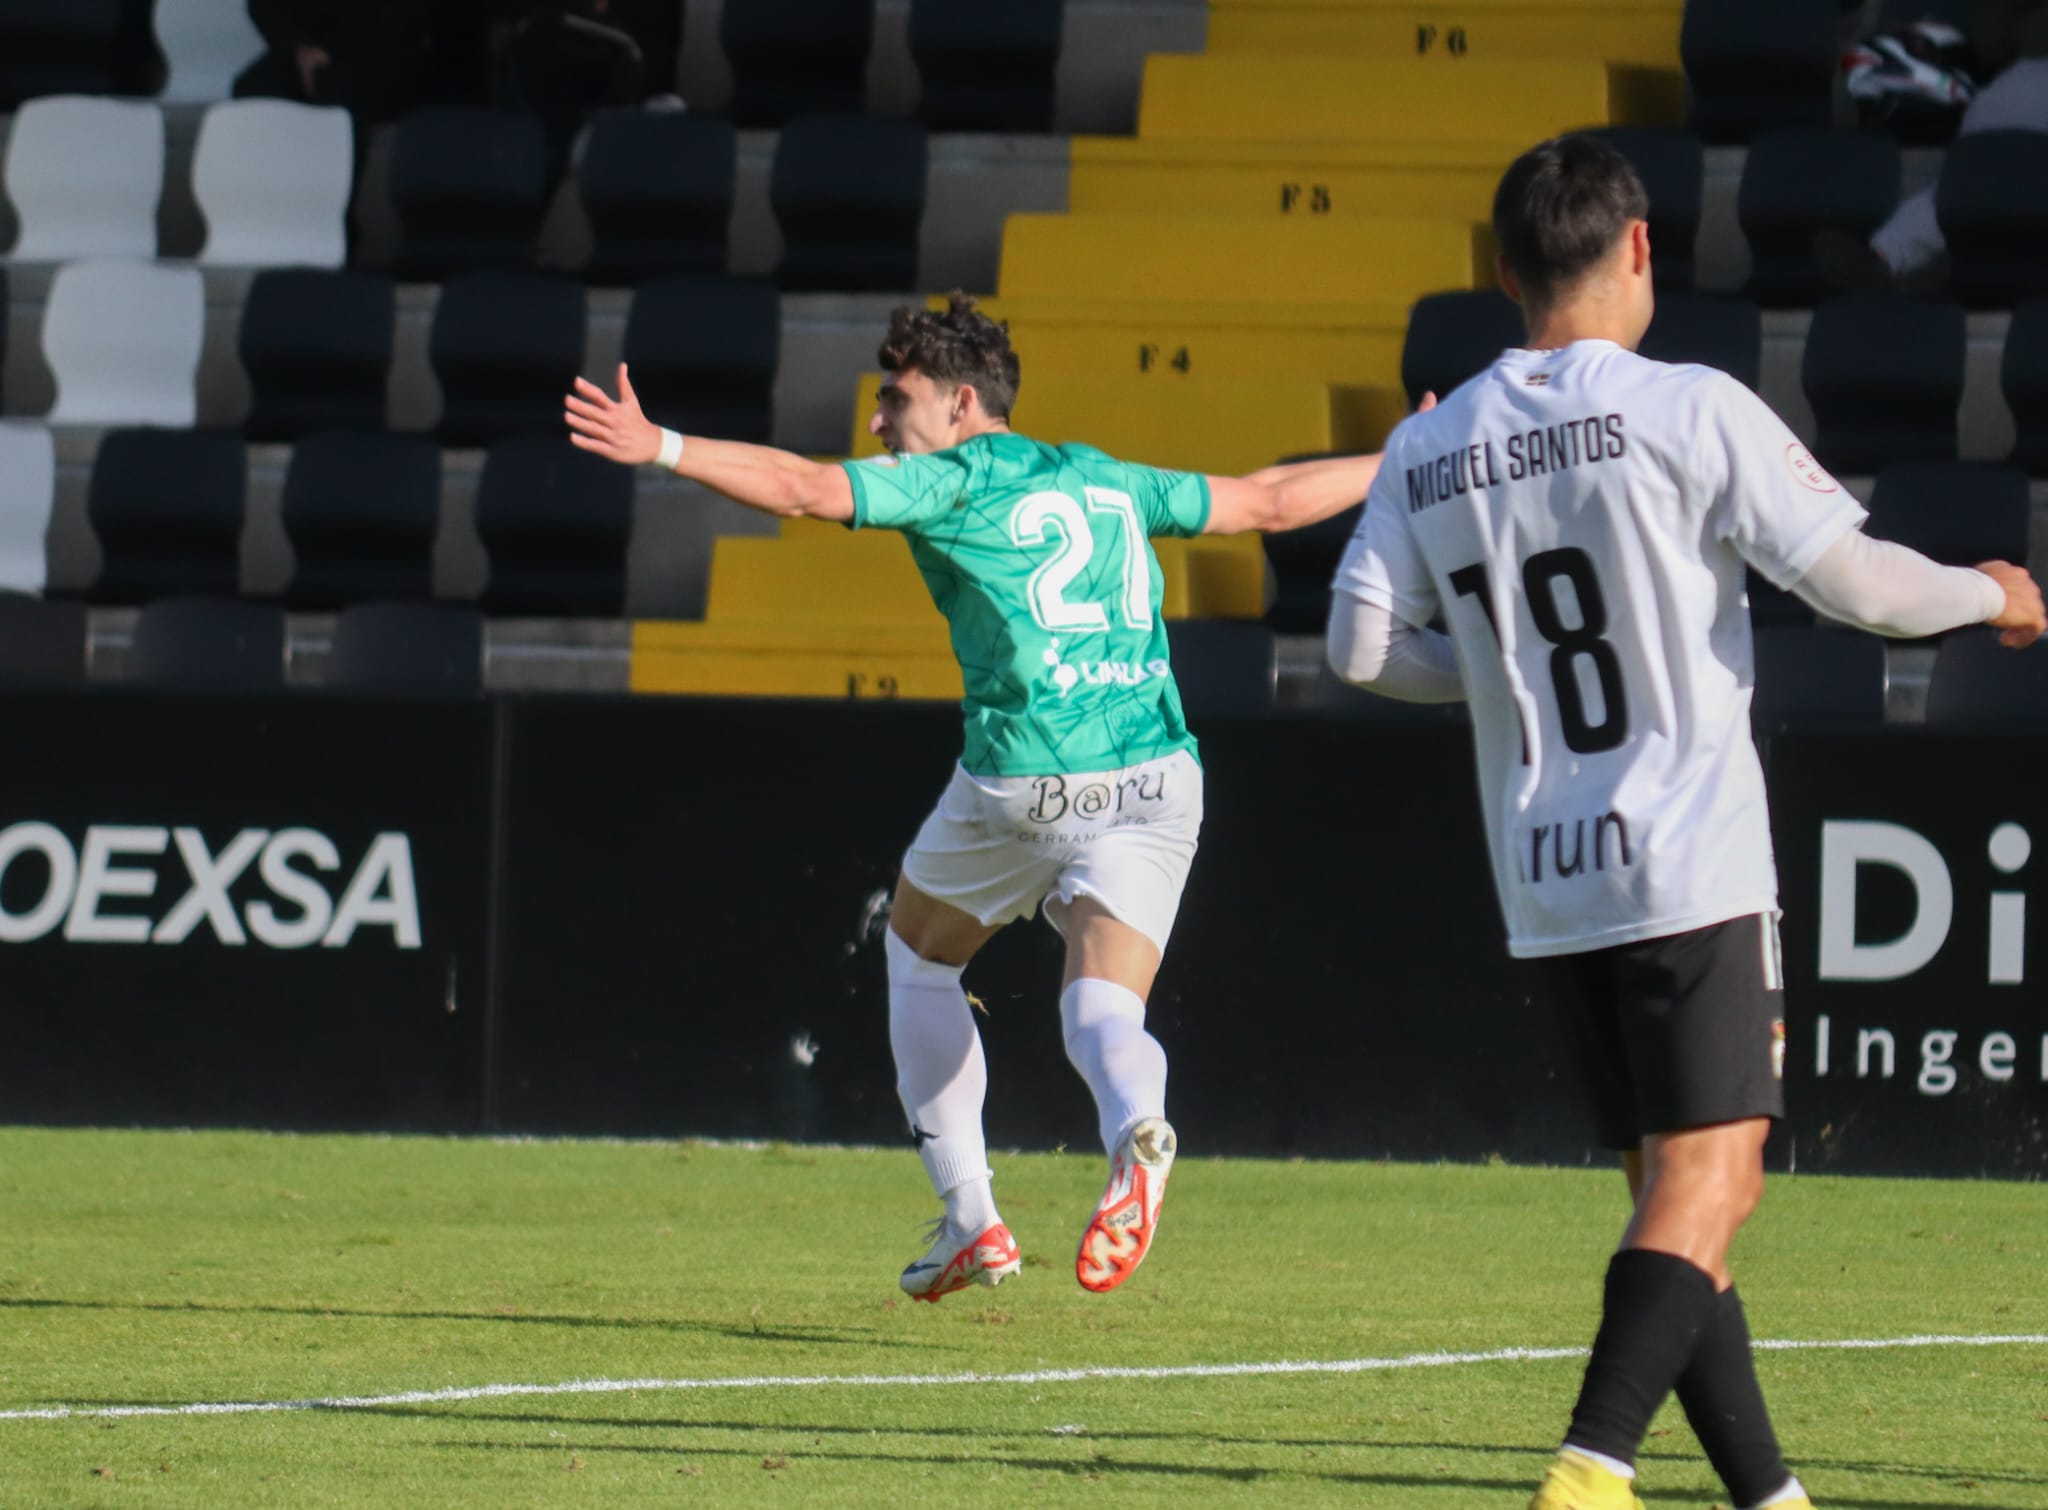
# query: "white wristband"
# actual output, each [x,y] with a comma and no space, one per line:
[671,450]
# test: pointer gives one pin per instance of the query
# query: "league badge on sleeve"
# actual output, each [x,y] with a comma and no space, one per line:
[1810,473]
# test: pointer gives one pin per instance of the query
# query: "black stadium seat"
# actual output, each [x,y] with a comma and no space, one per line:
[1672,166]
[1958,512]
[1303,562]
[1333,697]
[703,354]
[1714,332]
[505,347]
[471,188]
[1885,377]
[361,511]
[796,57]
[849,194]
[986,67]
[1223,666]
[201,644]
[555,523]
[407,650]
[76,47]
[1978,683]
[2023,375]
[1807,676]
[1992,202]
[1773,607]
[658,191]
[1453,336]
[1795,183]
[1759,64]
[167,506]
[317,348]
[42,643]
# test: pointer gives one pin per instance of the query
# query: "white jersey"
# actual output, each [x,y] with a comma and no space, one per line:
[1580,519]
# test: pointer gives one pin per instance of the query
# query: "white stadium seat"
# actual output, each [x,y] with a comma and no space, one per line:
[206,43]
[272,179]
[85,176]
[28,490]
[123,341]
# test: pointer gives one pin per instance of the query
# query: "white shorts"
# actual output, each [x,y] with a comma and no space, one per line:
[996,846]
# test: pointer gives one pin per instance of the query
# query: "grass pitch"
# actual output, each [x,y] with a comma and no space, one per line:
[167,1268]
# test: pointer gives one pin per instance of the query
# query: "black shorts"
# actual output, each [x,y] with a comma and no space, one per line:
[1677,1032]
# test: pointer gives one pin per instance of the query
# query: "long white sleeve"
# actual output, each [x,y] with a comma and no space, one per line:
[1372,648]
[1890,590]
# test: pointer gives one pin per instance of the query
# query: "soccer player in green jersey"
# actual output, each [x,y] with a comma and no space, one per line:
[1078,786]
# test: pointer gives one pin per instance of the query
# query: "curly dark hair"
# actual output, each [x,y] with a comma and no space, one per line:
[963,346]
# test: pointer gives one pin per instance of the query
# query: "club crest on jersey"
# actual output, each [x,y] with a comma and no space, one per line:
[1810,473]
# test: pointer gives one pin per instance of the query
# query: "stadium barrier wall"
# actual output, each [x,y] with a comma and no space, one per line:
[653,916]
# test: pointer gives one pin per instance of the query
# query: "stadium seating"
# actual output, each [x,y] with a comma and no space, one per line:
[1332,697]
[796,57]
[505,346]
[703,354]
[658,191]
[1222,176]
[1216,258]
[272,179]
[52,47]
[1453,336]
[1216,425]
[361,510]
[1992,202]
[1714,332]
[986,67]
[4,312]
[85,176]
[554,521]
[1813,675]
[208,645]
[1673,168]
[43,644]
[1223,667]
[1885,376]
[317,347]
[28,494]
[1755,65]
[1797,182]
[1770,606]
[1978,683]
[1958,512]
[1304,561]
[470,188]
[771,660]
[2023,376]
[167,506]
[1253,98]
[123,342]
[849,195]
[407,649]
[1645,32]
[206,43]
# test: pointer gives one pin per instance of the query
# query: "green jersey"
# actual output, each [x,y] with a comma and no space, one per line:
[1040,558]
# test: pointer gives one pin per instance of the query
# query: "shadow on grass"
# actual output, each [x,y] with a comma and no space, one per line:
[740,1331]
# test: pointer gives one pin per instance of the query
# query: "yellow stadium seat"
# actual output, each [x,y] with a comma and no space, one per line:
[1453,31]
[767,660]
[1219,425]
[859,577]
[1202,258]
[1123,175]
[1264,97]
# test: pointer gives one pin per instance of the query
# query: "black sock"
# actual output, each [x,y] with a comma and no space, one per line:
[1657,1305]
[1726,1407]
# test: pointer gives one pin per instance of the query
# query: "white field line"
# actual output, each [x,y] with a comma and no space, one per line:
[921,1381]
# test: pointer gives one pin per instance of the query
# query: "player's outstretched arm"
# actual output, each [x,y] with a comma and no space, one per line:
[1295,495]
[1887,589]
[761,477]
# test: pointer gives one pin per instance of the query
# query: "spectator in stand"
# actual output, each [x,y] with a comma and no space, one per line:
[375,58]
[562,60]
[2010,39]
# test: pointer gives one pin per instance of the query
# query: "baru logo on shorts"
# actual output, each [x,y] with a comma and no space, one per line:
[1810,473]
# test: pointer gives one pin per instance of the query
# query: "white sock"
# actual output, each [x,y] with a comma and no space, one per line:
[1614,1466]
[1793,1490]
[1123,1064]
[942,1079]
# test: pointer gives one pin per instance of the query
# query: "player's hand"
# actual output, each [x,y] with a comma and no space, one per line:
[614,428]
[2023,620]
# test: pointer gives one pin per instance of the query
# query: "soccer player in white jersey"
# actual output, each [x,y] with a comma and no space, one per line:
[1078,787]
[1581,518]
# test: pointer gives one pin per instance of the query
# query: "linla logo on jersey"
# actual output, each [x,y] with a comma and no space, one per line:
[1067,675]
[128,884]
